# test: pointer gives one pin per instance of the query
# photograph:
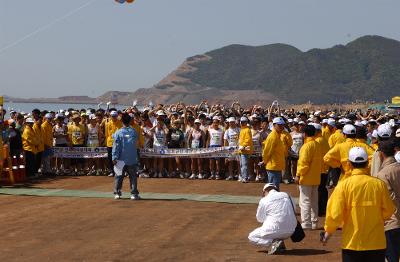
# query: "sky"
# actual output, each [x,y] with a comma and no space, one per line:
[56,48]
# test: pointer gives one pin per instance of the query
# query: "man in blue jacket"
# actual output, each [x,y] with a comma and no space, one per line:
[125,158]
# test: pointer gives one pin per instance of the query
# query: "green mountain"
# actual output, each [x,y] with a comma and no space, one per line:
[365,69]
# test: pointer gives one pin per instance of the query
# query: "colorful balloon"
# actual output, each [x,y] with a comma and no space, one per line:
[123,1]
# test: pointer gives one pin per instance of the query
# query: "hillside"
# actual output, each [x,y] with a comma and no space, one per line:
[367,69]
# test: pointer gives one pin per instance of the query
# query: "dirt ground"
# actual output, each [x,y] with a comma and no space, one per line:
[82,229]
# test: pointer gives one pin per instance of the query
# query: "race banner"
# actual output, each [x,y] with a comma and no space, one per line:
[101,152]
[80,152]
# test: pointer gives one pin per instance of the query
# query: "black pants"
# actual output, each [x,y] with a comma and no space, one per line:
[363,256]
[110,162]
[38,161]
[334,175]
[30,166]
[322,195]
[393,245]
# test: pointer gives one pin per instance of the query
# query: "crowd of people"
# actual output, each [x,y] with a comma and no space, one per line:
[317,150]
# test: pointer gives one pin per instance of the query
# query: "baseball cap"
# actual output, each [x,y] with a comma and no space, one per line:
[317,126]
[244,119]
[216,118]
[349,130]
[231,119]
[358,123]
[331,122]
[384,131]
[29,120]
[48,116]
[302,123]
[160,113]
[269,185]
[278,121]
[197,121]
[398,132]
[358,155]
[114,113]
[324,121]
[92,116]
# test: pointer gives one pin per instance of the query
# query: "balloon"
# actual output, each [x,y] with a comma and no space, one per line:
[130,1]
[120,1]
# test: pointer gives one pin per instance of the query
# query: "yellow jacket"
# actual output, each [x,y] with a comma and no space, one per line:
[245,140]
[326,133]
[324,149]
[287,141]
[77,134]
[374,146]
[30,141]
[274,152]
[39,135]
[336,138]
[338,156]
[360,204]
[309,165]
[111,128]
[138,129]
[47,131]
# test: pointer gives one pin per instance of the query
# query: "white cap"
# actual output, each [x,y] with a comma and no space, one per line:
[331,122]
[384,131]
[114,113]
[364,122]
[349,130]
[269,185]
[29,120]
[48,116]
[244,119]
[398,132]
[358,155]
[317,126]
[278,120]
[358,123]
[231,119]
[290,120]
[317,113]
[92,116]
[197,121]
[160,113]
[374,133]
[216,118]
[324,121]
[296,120]
[302,123]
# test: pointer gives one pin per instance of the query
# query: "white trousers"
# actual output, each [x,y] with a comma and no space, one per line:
[259,237]
[308,203]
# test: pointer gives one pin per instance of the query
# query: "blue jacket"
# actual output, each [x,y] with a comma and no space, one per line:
[124,146]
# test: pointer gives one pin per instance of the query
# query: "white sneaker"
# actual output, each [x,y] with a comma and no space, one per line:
[193,176]
[200,176]
[135,197]
[229,178]
[212,176]
[111,175]
[117,196]
[160,175]
[186,175]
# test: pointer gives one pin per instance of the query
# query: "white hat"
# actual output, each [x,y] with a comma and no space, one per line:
[92,116]
[296,120]
[114,113]
[197,121]
[290,120]
[324,121]
[29,120]
[358,155]
[231,119]
[398,132]
[364,122]
[384,131]
[302,123]
[317,113]
[160,113]
[374,133]
[216,118]
[331,122]
[278,120]
[244,119]
[48,116]
[358,123]
[269,185]
[317,126]
[349,130]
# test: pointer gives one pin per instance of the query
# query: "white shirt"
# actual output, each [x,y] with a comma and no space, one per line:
[232,136]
